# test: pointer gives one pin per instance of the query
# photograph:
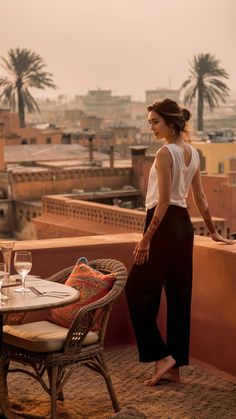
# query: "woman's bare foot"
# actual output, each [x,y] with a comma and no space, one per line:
[172,375]
[162,367]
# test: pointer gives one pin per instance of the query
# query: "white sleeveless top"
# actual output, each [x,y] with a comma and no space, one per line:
[182,177]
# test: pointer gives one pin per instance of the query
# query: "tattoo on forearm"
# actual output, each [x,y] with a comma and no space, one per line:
[153,225]
[208,221]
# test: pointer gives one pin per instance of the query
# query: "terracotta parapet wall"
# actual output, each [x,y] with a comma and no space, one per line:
[69,174]
[91,212]
[213,336]
[36,182]
[33,184]
[85,218]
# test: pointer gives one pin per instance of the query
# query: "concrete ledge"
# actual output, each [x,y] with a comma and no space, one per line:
[67,242]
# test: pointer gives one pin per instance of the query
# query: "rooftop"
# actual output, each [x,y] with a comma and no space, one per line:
[56,155]
[53,152]
[208,386]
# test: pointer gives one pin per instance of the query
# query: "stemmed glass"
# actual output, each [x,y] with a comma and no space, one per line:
[7,247]
[22,265]
[2,277]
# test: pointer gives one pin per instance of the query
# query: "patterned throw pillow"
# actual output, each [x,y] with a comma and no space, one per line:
[91,284]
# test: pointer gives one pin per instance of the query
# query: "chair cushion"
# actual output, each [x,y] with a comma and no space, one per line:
[40,336]
[91,284]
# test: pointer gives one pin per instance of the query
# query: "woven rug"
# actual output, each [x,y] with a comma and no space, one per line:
[200,395]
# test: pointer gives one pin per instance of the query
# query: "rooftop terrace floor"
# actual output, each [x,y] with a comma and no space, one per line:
[201,393]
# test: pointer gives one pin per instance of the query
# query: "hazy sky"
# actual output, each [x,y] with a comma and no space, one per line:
[127,46]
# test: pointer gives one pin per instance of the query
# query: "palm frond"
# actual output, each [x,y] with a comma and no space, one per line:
[7,67]
[41,80]
[8,96]
[217,94]
[186,83]
[190,95]
[211,99]
[30,102]
[218,84]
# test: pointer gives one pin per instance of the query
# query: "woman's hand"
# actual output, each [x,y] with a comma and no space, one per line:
[218,238]
[141,252]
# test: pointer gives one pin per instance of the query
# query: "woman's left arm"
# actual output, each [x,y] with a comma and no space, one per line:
[163,167]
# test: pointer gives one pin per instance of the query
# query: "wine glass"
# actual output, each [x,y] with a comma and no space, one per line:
[7,247]
[22,265]
[2,277]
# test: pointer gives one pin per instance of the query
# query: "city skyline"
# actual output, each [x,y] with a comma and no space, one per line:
[126,46]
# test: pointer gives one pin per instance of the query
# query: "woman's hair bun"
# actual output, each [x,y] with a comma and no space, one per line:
[186,114]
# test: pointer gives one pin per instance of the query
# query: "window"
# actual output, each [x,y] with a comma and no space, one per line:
[66,139]
[48,140]
[221,167]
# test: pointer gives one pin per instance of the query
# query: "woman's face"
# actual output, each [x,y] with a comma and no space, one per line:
[158,126]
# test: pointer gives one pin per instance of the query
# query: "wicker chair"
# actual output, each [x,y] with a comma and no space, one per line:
[53,369]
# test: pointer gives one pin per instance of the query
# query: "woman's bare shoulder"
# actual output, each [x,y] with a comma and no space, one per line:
[164,156]
[163,152]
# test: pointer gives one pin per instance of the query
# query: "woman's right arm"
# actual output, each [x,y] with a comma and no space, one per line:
[202,204]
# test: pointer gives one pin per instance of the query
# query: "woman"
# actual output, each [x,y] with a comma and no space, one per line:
[163,257]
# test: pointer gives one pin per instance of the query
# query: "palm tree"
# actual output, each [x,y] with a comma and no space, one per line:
[26,69]
[204,82]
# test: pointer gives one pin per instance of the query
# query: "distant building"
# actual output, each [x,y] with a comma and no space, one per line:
[222,135]
[103,104]
[22,136]
[14,135]
[73,115]
[119,136]
[232,163]
[160,94]
[215,156]
[9,120]
[90,122]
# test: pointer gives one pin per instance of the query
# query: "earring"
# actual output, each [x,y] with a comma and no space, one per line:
[172,132]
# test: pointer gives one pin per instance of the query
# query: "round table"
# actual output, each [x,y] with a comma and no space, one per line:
[28,301]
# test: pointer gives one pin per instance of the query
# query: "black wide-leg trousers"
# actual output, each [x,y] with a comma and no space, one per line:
[169,266]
